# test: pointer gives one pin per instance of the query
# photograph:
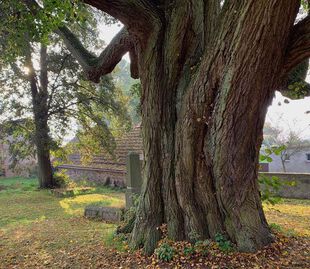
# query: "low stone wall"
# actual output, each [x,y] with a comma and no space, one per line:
[109,177]
[300,191]
[114,177]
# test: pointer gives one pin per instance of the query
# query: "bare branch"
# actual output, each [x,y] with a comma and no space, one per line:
[61,109]
[55,86]
[299,46]
[93,66]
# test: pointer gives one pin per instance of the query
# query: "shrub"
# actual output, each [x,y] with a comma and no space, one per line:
[270,185]
[223,243]
[62,180]
[165,252]
[189,250]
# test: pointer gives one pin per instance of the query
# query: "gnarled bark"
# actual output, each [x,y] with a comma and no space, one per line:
[208,136]
[208,75]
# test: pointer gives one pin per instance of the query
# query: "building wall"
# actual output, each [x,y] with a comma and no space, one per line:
[297,163]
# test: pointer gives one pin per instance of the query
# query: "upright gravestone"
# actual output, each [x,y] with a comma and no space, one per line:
[133,178]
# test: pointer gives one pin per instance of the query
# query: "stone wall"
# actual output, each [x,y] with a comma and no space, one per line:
[300,191]
[117,178]
[110,177]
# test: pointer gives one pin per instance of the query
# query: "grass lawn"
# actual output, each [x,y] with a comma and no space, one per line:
[290,216]
[39,230]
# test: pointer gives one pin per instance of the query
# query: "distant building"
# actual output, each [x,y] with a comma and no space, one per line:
[103,168]
[131,141]
[297,163]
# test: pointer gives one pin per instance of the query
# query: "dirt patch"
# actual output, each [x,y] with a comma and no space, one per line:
[2,187]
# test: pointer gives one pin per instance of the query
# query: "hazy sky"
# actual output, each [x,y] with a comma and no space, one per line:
[290,116]
[285,116]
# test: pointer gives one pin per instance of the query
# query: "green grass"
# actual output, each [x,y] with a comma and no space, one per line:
[22,203]
[292,216]
[38,228]
[18,185]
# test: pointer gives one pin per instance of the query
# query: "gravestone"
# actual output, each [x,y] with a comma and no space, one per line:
[133,182]
[113,214]
[133,178]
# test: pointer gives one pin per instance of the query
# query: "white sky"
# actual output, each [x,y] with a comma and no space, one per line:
[291,115]
[107,32]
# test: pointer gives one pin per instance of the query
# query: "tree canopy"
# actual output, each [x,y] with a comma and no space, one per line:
[44,79]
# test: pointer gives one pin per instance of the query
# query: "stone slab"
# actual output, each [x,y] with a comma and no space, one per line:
[111,214]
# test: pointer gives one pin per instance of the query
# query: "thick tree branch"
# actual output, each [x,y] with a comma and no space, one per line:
[43,70]
[93,66]
[140,16]
[299,45]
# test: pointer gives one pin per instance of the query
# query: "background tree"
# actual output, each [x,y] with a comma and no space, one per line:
[131,88]
[18,136]
[291,142]
[57,96]
[208,71]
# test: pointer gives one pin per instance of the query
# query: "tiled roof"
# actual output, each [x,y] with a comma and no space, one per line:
[130,142]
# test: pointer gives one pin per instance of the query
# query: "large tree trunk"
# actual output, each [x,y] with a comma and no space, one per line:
[43,154]
[208,74]
[40,111]
[202,123]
